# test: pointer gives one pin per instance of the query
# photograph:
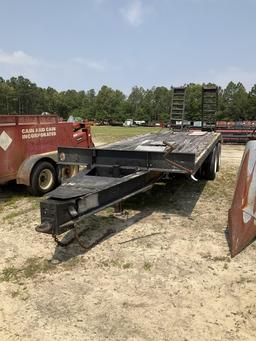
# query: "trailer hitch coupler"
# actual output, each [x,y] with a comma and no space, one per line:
[44,228]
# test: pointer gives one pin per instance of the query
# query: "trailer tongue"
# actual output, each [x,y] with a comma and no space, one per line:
[88,194]
[120,170]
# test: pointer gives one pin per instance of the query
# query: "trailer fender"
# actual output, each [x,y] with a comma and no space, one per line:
[25,169]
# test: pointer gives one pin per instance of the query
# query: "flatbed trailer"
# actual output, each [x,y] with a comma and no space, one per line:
[120,170]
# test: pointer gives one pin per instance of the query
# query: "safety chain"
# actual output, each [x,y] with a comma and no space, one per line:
[80,242]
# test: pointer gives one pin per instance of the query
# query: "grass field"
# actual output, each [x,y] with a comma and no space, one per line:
[108,134]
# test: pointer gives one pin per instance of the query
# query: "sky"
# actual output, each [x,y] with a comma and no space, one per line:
[84,44]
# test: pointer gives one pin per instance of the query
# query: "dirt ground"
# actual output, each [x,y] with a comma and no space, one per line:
[165,274]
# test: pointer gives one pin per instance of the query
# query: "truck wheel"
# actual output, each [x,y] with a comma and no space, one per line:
[43,178]
[210,165]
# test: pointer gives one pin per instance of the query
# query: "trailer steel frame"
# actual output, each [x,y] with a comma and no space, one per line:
[120,170]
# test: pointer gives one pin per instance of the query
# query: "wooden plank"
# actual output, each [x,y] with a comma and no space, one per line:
[185,142]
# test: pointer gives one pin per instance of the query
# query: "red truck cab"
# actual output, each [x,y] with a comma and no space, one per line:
[28,148]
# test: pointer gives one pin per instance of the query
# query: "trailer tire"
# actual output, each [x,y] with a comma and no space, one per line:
[68,172]
[210,165]
[219,156]
[43,178]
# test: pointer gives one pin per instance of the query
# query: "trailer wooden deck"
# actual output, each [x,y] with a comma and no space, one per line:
[159,152]
[196,142]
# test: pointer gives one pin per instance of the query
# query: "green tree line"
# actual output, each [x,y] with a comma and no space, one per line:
[19,95]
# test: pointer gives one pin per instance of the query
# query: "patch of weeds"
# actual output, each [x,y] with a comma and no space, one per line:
[215,258]
[107,134]
[243,279]
[116,263]
[223,187]
[15,293]
[206,255]
[12,200]
[105,263]
[109,210]
[127,265]
[12,215]
[9,274]
[221,259]
[34,206]
[15,214]
[225,267]
[14,207]
[133,305]
[31,268]
[147,266]
[126,304]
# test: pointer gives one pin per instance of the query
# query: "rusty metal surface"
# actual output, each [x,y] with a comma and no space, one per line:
[242,214]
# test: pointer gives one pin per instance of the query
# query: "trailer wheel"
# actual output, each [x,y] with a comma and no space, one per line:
[43,178]
[68,171]
[219,156]
[210,165]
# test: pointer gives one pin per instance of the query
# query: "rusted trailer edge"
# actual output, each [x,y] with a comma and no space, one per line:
[242,214]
